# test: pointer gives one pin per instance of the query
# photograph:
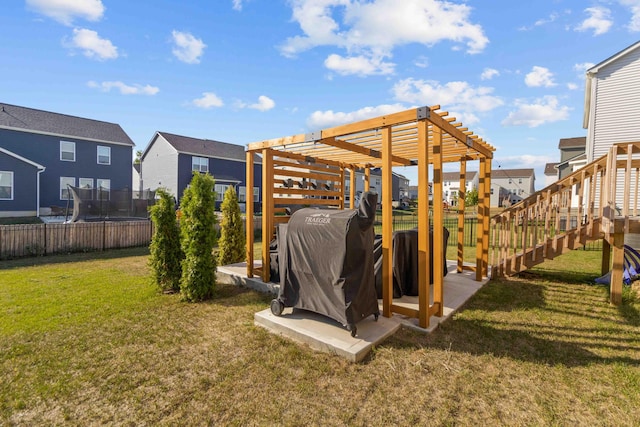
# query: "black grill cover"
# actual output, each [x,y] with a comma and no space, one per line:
[326,265]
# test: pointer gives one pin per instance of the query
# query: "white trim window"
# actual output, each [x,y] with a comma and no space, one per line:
[220,189]
[6,185]
[64,182]
[86,183]
[67,151]
[242,194]
[256,194]
[200,164]
[104,188]
[104,155]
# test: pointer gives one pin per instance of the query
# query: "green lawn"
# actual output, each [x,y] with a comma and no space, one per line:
[85,339]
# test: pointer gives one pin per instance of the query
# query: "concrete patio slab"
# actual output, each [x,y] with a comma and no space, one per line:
[324,334]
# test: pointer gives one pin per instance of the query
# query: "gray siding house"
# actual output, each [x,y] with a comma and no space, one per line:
[572,155]
[509,186]
[170,160]
[43,152]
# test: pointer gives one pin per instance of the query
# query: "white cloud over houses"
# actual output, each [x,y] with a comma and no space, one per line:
[599,20]
[329,118]
[358,65]
[237,5]
[66,11]
[124,89]
[489,73]
[461,99]
[369,31]
[541,111]
[186,47]
[582,68]
[208,100]
[539,76]
[634,8]
[264,104]
[91,44]
[572,86]
[524,161]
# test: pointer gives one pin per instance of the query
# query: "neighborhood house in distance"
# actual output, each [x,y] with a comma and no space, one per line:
[41,153]
[170,160]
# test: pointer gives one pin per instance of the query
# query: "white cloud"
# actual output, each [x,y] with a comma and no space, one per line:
[634,6]
[572,86]
[539,76]
[540,22]
[524,161]
[358,65]
[208,100]
[237,5]
[65,11]
[462,100]
[329,118]
[264,104]
[125,89]
[489,73]
[92,45]
[373,29]
[582,68]
[187,48]
[421,62]
[544,110]
[599,21]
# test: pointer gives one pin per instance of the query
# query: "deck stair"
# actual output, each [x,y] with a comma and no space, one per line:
[597,202]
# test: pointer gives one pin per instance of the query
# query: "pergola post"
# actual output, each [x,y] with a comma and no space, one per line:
[342,192]
[367,178]
[482,174]
[267,210]
[352,187]
[423,225]
[461,207]
[485,226]
[387,224]
[248,226]
[438,232]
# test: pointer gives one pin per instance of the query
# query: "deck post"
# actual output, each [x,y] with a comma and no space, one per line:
[438,232]
[618,262]
[605,264]
[267,210]
[481,212]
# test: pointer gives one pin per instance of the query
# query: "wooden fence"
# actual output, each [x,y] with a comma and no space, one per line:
[46,239]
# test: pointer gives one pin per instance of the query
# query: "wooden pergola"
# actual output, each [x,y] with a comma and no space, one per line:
[309,170]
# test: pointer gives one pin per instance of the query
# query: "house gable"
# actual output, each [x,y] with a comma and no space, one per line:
[19,192]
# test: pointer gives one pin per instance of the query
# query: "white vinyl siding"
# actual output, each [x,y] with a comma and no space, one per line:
[104,155]
[64,191]
[200,164]
[67,151]
[6,185]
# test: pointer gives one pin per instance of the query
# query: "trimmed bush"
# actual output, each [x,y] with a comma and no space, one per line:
[165,252]
[198,238]
[232,238]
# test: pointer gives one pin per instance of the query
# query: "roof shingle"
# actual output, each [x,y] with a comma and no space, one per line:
[206,147]
[30,119]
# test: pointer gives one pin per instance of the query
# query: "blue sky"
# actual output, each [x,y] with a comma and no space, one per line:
[246,70]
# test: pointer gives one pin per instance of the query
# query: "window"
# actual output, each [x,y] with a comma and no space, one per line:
[519,180]
[64,182]
[104,188]
[200,164]
[510,181]
[256,194]
[492,191]
[85,183]
[67,151]
[220,189]
[104,155]
[6,185]
[242,194]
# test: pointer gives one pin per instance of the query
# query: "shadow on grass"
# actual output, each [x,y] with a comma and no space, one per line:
[73,257]
[228,295]
[544,324]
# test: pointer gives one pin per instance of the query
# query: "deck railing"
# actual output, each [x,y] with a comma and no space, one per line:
[568,213]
